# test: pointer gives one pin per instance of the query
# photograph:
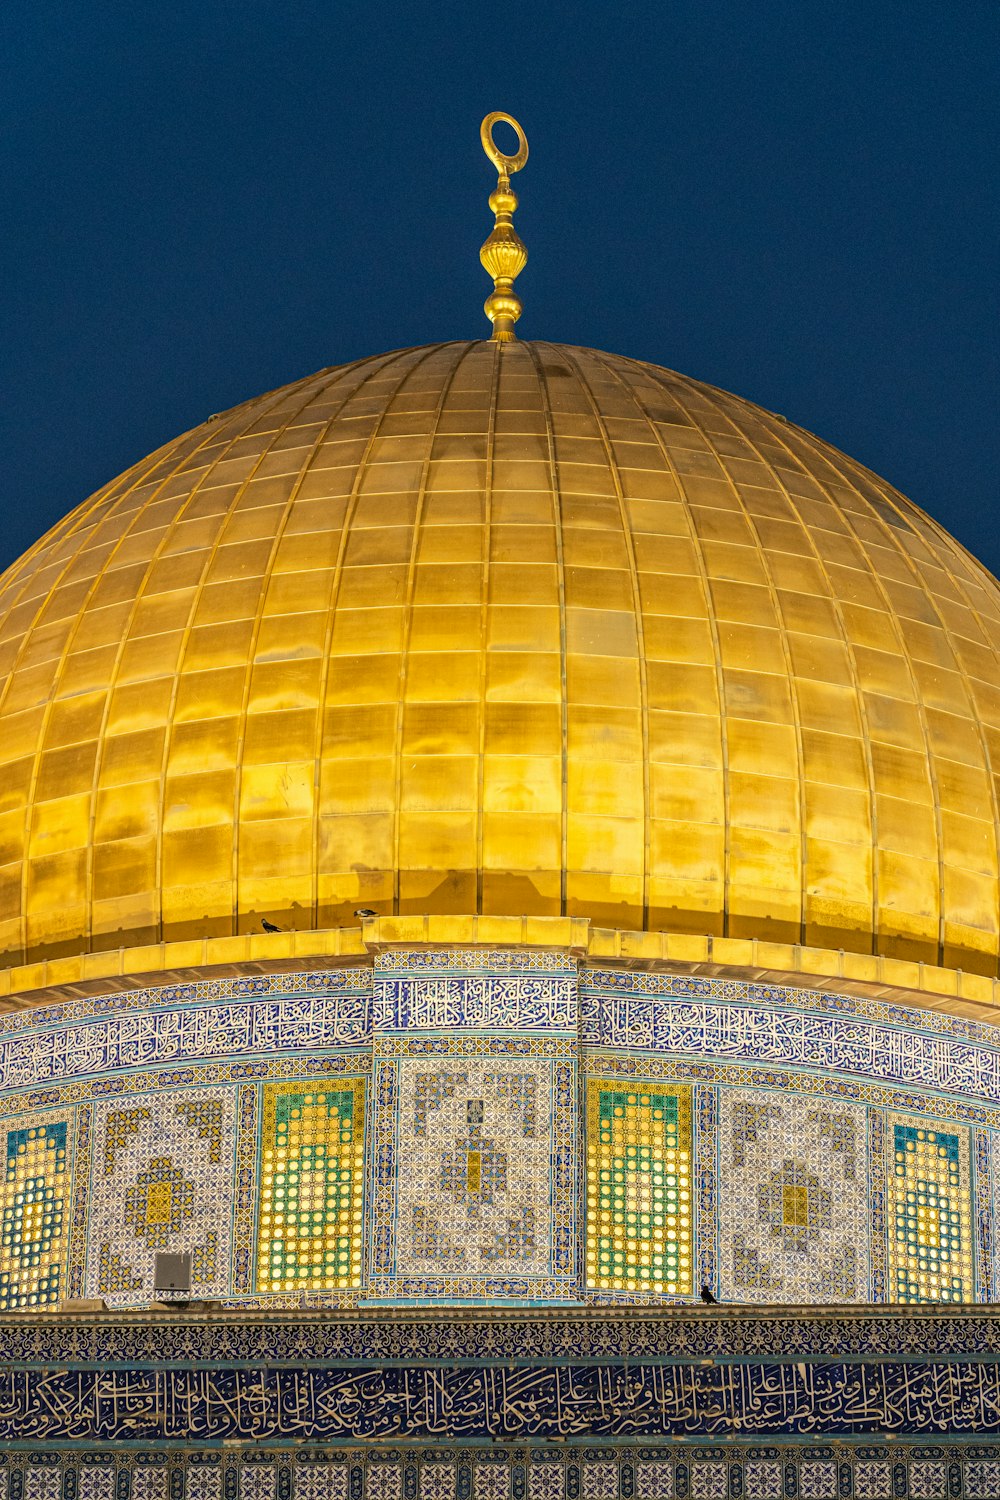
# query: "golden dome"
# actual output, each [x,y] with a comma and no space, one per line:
[508,628]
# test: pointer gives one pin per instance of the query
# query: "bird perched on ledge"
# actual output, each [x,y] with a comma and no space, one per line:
[707,1298]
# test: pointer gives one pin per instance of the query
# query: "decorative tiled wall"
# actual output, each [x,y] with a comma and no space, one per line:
[162,1164]
[474,1191]
[311,1186]
[639,1206]
[479,1125]
[796,1188]
[866,1471]
[35,1203]
[929,1211]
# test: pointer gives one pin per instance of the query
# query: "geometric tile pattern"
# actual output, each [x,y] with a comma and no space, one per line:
[474,1166]
[309,1232]
[792,1155]
[990,1188]
[929,1211]
[34,1211]
[639,1187]
[878,1239]
[161,1179]
[985,1225]
[705,1110]
[474,1176]
[794,1181]
[947,1471]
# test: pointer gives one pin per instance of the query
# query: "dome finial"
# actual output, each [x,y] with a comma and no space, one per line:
[503,254]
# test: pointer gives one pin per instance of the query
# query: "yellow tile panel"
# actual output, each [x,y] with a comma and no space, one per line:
[640,1188]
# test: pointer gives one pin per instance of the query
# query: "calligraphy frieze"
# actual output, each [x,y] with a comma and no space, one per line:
[653,984]
[568,1402]
[197,992]
[475,991]
[714,1019]
[142,1039]
[519,1003]
[821,1038]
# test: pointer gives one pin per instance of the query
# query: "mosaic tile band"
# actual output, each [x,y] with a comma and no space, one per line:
[940,1471]
[474,1170]
[712,1018]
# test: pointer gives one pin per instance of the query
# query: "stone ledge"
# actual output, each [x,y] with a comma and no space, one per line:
[923,986]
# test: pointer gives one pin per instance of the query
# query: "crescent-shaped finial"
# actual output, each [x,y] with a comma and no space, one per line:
[504,164]
[503,253]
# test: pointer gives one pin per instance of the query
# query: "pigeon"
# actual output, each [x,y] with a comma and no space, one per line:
[365,911]
[707,1298]
[268,926]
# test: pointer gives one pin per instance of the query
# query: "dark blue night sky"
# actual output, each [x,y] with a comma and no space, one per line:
[795,201]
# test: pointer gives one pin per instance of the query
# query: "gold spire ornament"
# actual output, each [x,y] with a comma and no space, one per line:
[503,254]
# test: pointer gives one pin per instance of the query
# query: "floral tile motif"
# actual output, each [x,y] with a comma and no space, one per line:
[309,1229]
[873,1480]
[437,1482]
[982,1479]
[99,1484]
[763,1480]
[383,1481]
[709,1481]
[42,1484]
[35,1208]
[491,1481]
[795,1171]
[149,1483]
[640,1196]
[546,1481]
[161,1179]
[202,1483]
[600,1481]
[818,1481]
[258,1482]
[929,1480]
[654,1480]
[929,1211]
[319,1482]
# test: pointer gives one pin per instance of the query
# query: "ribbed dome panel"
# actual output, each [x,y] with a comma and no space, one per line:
[503,628]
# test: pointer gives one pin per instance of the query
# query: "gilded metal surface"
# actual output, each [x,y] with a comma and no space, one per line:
[503,253]
[500,628]
[954,992]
